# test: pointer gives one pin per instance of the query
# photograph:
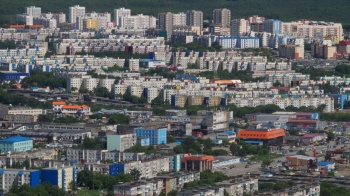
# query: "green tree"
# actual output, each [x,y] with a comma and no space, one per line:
[118,119]
[136,174]
[44,118]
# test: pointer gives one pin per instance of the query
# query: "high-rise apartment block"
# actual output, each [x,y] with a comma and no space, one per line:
[33,11]
[119,14]
[165,22]
[222,17]
[272,26]
[74,12]
[291,51]
[239,27]
[179,19]
[194,18]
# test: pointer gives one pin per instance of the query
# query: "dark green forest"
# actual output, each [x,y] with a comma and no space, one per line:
[285,10]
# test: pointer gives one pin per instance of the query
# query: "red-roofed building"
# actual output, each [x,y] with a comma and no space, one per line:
[197,162]
[60,106]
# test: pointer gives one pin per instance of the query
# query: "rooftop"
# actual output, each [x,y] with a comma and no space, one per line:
[15,139]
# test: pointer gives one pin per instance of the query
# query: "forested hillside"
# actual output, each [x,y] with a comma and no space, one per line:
[286,10]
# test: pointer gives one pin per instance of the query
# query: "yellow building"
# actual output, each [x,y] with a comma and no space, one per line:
[90,23]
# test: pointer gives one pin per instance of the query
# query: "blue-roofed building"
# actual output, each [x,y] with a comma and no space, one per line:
[16,144]
[116,168]
[18,177]
[156,136]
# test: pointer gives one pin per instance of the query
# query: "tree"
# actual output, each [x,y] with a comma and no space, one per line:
[118,119]
[44,118]
[265,163]
[301,152]
[328,157]
[73,89]
[136,174]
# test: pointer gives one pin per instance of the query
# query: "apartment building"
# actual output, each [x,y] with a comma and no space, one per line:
[119,14]
[138,21]
[176,181]
[33,11]
[324,50]
[84,155]
[18,177]
[179,19]
[157,136]
[240,27]
[149,168]
[141,188]
[165,23]
[74,12]
[60,177]
[222,17]
[194,18]
[313,29]
[199,191]
[283,102]
[273,26]
[291,51]
[240,185]
[21,111]
[121,142]
[134,65]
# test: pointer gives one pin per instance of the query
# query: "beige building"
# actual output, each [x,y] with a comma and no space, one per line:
[291,51]
[165,22]
[324,51]
[222,17]
[194,18]
[313,29]
[239,27]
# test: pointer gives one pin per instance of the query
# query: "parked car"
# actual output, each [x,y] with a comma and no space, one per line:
[246,166]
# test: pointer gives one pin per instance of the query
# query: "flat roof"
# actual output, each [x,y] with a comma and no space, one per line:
[16,139]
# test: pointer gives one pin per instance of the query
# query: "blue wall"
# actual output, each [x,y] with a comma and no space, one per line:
[115,169]
[50,176]
[34,178]
[156,136]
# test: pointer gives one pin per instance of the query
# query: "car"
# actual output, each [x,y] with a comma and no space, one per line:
[246,166]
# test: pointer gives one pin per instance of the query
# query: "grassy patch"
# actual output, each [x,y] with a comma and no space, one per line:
[87,192]
[265,157]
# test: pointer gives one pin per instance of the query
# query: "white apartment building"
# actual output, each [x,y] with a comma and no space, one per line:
[134,65]
[285,102]
[19,177]
[119,14]
[140,188]
[138,21]
[136,90]
[179,19]
[107,83]
[75,83]
[119,89]
[74,12]
[151,93]
[91,83]
[285,79]
[33,11]
[88,156]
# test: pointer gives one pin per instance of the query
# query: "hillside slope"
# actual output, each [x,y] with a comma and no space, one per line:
[286,10]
